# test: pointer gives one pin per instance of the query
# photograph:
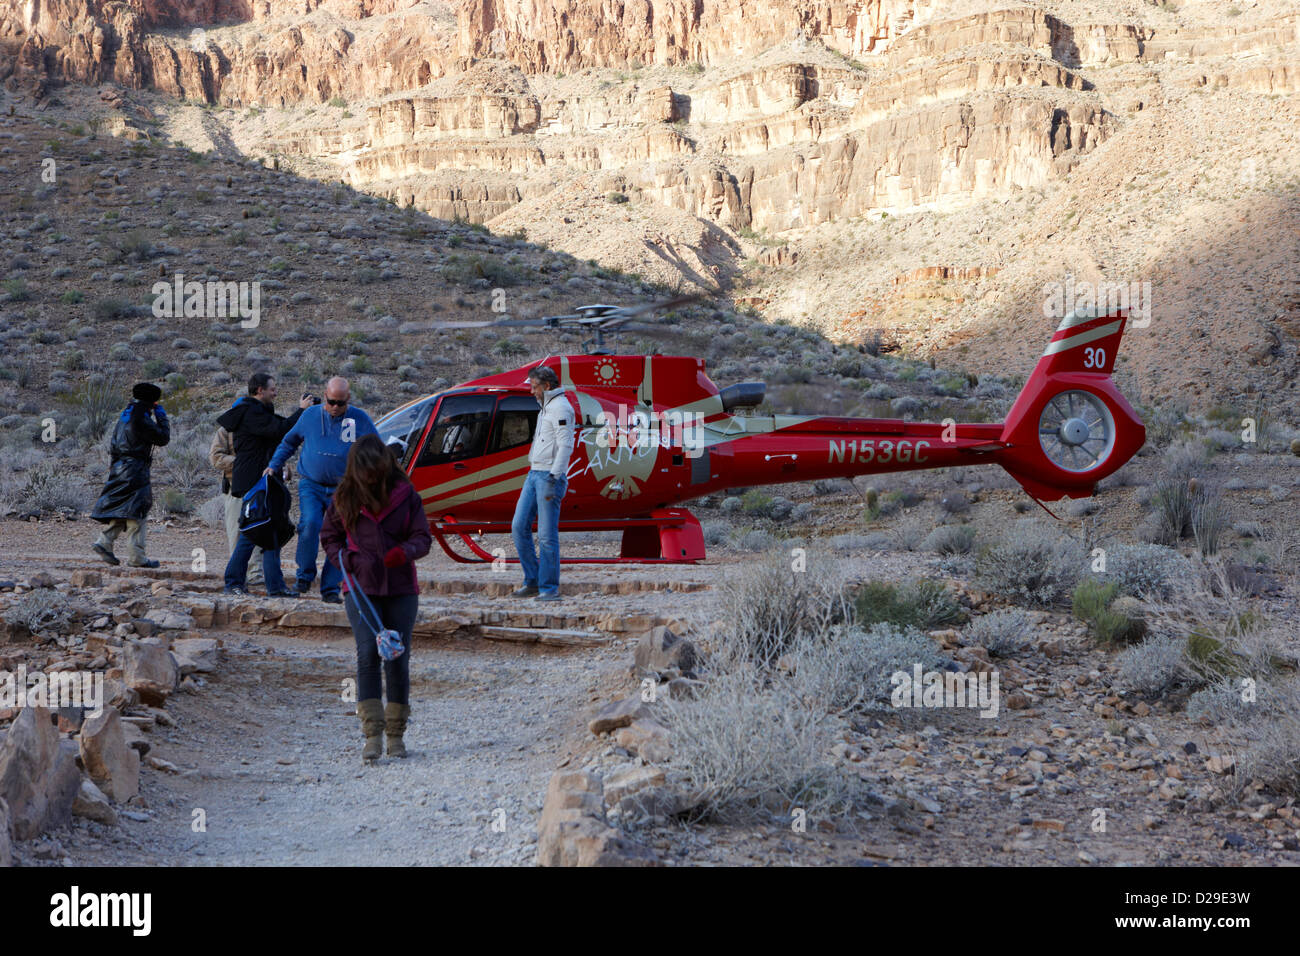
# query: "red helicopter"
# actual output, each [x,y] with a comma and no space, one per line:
[654,431]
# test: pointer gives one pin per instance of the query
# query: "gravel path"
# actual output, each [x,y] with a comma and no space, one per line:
[271,755]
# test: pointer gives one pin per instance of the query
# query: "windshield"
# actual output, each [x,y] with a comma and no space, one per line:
[403,427]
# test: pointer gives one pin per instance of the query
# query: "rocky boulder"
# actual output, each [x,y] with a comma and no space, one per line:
[39,779]
[196,654]
[660,650]
[150,670]
[618,714]
[108,759]
[573,830]
[6,851]
[93,805]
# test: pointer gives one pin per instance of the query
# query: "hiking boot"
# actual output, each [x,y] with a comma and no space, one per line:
[146,564]
[394,726]
[526,591]
[331,599]
[371,713]
[108,556]
[548,596]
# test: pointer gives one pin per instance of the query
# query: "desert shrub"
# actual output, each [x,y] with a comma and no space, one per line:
[1273,755]
[950,539]
[1112,617]
[1141,569]
[851,669]
[51,486]
[105,310]
[905,405]
[769,607]
[497,272]
[1209,519]
[753,539]
[213,512]
[1091,597]
[184,464]
[1153,667]
[174,502]
[1029,565]
[910,531]
[755,502]
[754,747]
[99,399]
[1001,633]
[1221,635]
[1172,503]
[40,609]
[1185,460]
[1224,701]
[917,604]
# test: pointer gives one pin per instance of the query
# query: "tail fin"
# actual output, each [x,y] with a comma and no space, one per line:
[1085,341]
[1070,426]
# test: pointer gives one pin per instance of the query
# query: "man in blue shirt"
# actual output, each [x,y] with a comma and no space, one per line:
[326,433]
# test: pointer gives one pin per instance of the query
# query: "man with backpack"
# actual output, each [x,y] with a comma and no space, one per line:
[256,431]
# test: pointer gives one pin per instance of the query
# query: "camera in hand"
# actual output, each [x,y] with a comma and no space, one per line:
[315,399]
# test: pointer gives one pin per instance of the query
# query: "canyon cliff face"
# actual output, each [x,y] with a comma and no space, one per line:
[714,142]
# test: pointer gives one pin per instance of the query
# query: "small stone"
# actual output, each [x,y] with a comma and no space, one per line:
[93,805]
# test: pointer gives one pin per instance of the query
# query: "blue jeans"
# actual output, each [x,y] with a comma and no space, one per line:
[534,505]
[237,567]
[397,612]
[313,501]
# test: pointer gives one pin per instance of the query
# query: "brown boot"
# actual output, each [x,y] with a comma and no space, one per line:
[394,726]
[371,713]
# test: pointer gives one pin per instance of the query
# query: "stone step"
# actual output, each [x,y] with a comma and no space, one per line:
[544,635]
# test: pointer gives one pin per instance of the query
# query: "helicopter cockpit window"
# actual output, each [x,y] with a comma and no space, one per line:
[403,427]
[460,430]
[516,419]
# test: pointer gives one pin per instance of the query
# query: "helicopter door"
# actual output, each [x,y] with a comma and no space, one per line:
[447,470]
[506,461]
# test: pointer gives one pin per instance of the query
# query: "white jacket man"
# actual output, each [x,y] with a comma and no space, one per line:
[544,487]
[553,439]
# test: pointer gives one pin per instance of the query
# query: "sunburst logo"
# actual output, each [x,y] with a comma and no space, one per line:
[607,373]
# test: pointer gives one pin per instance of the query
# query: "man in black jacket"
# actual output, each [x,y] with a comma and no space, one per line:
[257,430]
[128,495]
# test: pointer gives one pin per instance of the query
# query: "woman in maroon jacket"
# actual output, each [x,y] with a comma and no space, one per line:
[375,529]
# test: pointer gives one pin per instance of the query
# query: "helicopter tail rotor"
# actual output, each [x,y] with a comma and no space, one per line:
[1070,426]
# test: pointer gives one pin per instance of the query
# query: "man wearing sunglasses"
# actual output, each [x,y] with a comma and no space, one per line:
[326,433]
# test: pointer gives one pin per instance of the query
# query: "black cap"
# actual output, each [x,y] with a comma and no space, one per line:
[146,392]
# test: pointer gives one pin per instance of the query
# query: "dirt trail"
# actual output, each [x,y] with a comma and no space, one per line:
[271,755]
[269,750]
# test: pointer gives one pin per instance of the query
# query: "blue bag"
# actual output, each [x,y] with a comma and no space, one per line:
[387,640]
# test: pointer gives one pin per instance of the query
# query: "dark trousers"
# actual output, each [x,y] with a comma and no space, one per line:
[397,613]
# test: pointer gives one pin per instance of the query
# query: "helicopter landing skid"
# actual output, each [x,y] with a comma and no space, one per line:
[665,536]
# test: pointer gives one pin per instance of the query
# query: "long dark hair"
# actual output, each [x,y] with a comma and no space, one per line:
[372,473]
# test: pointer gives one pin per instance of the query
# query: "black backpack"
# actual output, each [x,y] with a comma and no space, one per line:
[264,514]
